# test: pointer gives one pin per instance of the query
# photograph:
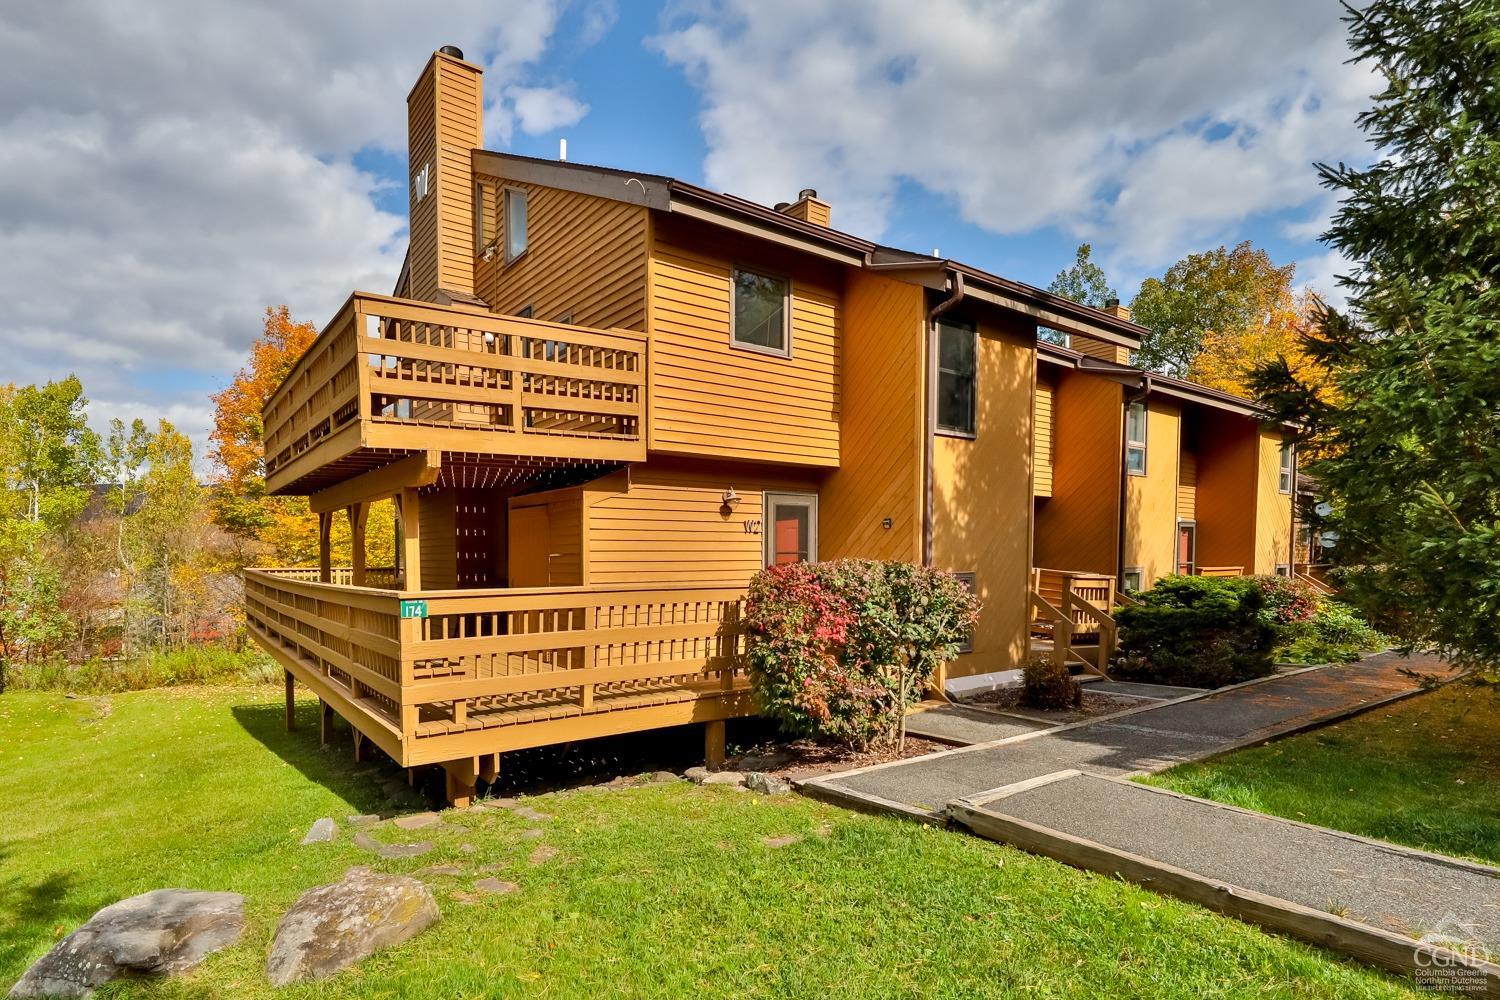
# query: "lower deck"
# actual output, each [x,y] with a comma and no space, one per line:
[454,678]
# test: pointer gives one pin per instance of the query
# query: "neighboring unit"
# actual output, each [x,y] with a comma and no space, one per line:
[604,399]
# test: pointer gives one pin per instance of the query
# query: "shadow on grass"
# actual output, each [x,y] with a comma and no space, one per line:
[32,910]
[332,766]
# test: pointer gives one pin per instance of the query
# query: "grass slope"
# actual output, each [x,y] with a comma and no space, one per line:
[663,891]
[1420,772]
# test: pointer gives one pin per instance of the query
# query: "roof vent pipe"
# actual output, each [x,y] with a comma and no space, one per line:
[806,193]
[562,150]
[452,50]
[782,206]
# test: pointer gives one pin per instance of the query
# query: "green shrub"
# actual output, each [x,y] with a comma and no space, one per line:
[1335,634]
[1048,685]
[1197,631]
[208,664]
[1288,602]
[841,649]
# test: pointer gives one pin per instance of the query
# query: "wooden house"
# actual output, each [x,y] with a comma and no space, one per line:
[603,399]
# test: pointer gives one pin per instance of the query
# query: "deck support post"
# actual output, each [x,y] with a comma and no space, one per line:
[713,744]
[325,548]
[411,540]
[358,514]
[291,701]
[361,747]
[325,723]
[461,776]
[489,767]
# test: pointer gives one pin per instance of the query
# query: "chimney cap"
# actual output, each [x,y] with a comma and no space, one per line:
[807,193]
[1111,303]
[782,206]
[452,50]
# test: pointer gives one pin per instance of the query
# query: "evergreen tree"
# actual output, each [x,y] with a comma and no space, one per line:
[1411,432]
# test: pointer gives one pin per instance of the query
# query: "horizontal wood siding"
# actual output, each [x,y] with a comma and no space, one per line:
[1079,527]
[1042,445]
[671,526]
[421,144]
[439,532]
[982,498]
[1187,486]
[585,259]
[460,129]
[881,438]
[565,550]
[706,397]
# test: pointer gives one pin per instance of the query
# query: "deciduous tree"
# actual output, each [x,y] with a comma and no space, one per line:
[1082,281]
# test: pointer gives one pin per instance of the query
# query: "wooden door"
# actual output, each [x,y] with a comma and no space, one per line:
[1187,557]
[530,547]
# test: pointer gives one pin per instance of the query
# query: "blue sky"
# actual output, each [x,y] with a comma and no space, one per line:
[167,171]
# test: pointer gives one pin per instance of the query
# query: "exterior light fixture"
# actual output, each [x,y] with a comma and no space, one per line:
[730,498]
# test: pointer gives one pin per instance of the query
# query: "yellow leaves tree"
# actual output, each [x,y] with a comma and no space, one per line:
[275,529]
[1229,355]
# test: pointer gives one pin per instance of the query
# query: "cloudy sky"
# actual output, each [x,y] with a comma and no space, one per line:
[168,168]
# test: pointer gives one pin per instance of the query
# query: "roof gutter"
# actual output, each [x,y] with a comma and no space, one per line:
[929,437]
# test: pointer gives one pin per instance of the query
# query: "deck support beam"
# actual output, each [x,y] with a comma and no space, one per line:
[411,539]
[325,723]
[461,776]
[713,744]
[325,548]
[291,701]
[359,515]
[489,767]
[361,747]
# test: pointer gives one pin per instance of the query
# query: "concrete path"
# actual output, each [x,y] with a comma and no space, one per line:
[963,726]
[1140,740]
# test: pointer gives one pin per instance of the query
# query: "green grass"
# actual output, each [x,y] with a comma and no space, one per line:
[1420,772]
[210,663]
[657,891]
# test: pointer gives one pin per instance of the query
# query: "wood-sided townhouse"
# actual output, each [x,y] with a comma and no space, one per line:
[604,399]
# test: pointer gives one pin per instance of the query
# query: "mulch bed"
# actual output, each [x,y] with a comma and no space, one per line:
[1094,704]
[802,759]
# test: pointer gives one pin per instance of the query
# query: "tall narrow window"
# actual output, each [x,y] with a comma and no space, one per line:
[955,376]
[515,223]
[761,316]
[791,528]
[1187,548]
[1288,466]
[1135,439]
[971,584]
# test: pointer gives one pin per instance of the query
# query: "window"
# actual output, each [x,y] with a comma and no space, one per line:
[1288,467]
[1132,579]
[761,314]
[525,311]
[1187,548]
[1282,569]
[956,349]
[566,319]
[970,582]
[515,223]
[791,528]
[421,183]
[1135,439]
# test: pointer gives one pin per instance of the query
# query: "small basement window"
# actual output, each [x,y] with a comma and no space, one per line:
[515,223]
[957,349]
[760,319]
[1132,579]
[1135,439]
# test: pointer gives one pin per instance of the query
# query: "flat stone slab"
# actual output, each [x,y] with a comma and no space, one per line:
[334,926]
[1399,890]
[964,726]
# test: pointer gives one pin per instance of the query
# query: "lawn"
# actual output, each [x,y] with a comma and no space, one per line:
[1420,772]
[665,890]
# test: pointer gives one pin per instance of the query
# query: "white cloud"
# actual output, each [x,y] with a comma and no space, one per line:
[166,172]
[1321,273]
[1151,127]
[542,109]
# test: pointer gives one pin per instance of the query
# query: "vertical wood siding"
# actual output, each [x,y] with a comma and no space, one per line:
[880,474]
[1079,527]
[982,499]
[670,526]
[585,258]
[707,397]
[1151,500]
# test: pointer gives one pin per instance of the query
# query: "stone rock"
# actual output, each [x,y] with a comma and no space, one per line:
[496,886]
[417,821]
[502,803]
[467,848]
[321,832]
[785,840]
[439,870]
[662,777]
[697,775]
[765,784]
[542,854]
[733,778]
[156,933]
[769,761]
[526,812]
[391,851]
[363,819]
[530,834]
[332,927]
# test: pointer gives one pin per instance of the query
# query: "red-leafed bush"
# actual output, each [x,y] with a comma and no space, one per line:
[840,649]
[1289,602]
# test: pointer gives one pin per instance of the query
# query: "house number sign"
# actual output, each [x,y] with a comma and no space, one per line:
[413,609]
[752,527]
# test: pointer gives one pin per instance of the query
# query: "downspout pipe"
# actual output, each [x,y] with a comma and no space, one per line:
[1130,397]
[955,296]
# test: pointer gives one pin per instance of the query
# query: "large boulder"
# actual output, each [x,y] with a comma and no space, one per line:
[153,934]
[331,927]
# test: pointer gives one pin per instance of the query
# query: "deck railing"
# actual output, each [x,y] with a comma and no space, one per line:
[1076,609]
[465,661]
[415,375]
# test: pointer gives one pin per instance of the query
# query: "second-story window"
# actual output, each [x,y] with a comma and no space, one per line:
[515,223]
[1135,439]
[1288,466]
[761,315]
[955,376]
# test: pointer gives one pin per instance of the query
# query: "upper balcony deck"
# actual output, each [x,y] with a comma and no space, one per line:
[391,376]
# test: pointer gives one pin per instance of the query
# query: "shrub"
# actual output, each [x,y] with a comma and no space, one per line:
[207,664]
[1335,634]
[1288,602]
[840,649]
[1197,631]
[1048,685]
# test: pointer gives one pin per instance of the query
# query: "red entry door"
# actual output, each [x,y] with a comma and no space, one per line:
[1187,543]
[791,528]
